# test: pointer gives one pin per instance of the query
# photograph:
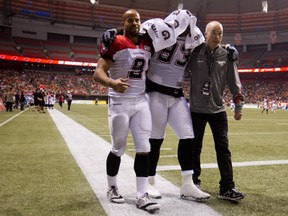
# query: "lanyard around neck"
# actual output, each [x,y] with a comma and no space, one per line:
[209,55]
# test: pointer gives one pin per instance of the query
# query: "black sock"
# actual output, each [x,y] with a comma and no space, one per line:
[154,155]
[141,165]
[112,164]
[185,154]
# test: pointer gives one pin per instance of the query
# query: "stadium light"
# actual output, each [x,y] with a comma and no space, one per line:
[94,1]
[180,5]
[264,6]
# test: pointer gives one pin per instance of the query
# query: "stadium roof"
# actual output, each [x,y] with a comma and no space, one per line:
[199,7]
[245,17]
[69,10]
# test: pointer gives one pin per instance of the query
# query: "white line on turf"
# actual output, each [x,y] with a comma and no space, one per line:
[235,164]
[8,120]
[90,152]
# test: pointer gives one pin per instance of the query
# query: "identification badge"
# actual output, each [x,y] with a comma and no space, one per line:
[207,87]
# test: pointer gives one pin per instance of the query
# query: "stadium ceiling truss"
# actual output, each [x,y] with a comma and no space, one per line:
[235,15]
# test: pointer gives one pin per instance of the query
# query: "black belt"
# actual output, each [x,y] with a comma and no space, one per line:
[152,86]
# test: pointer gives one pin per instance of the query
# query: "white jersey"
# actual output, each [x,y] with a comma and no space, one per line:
[130,61]
[129,110]
[167,66]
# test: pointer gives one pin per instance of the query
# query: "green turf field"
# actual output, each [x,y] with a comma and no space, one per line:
[38,175]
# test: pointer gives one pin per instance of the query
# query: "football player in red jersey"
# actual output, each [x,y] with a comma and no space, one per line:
[122,67]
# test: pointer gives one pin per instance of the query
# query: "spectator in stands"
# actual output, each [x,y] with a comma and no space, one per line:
[256,86]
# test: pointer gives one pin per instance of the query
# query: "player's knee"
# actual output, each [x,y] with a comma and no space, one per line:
[143,147]
[119,151]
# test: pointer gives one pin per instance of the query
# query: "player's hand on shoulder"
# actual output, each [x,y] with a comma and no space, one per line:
[233,54]
[108,37]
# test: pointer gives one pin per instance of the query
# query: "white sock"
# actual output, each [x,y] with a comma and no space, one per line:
[141,186]
[186,176]
[112,181]
[151,180]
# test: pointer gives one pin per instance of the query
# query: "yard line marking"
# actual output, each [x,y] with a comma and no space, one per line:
[90,152]
[166,149]
[167,156]
[234,164]
[8,120]
[162,149]
[252,133]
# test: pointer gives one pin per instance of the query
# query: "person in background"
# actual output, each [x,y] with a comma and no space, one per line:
[41,100]
[265,106]
[122,67]
[36,101]
[17,99]
[69,99]
[61,100]
[212,68]
[52,100]
[22,101]
[9,100]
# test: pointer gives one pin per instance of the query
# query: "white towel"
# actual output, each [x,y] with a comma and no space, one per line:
[164,33]
[181,19]
[195,39]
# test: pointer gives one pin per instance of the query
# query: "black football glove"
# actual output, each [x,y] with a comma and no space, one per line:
[233,54]
[108,37]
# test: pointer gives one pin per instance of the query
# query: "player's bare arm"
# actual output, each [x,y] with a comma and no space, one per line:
[101,76]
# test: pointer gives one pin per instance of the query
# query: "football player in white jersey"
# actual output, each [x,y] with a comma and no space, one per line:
[122,67]
[164,84]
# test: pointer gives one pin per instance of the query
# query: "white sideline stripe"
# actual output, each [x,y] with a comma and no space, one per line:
[235,164]
[3,123]
[162,149]
[90,152]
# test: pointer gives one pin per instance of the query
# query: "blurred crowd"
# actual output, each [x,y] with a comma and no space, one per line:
[59,83]
[28,81]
